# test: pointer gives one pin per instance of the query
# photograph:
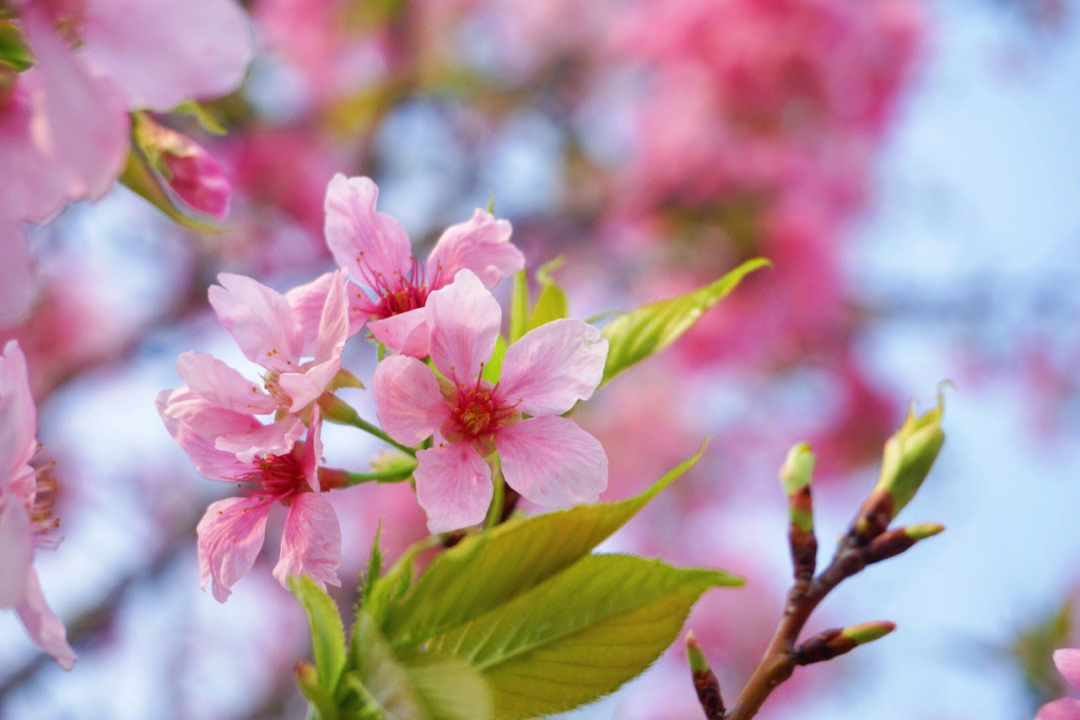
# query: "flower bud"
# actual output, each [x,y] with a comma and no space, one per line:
[838,641]
[909,454]
[190,172]
[705,683]
[795,475]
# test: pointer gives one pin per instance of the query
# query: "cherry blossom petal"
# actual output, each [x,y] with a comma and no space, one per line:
[309,302]
[482,244]
[18,415]
[1063,709]
[42,624]
[311,542]
[195,424]
[230,534]
[407,399]
[260,319]
[313,450]
[453,485]
[334,321]
[276,438]
[464,319]
[16,274]
[305,387]
[553,366]
[63,130]
[222,385]
[406,333]
[181,50]
[1068,664]
[552,462]
[16,550]
[371,246]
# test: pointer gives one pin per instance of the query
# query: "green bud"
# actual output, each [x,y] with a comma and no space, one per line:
[921,531]
[868,632]
[910,453]
[698,663]
[798,468]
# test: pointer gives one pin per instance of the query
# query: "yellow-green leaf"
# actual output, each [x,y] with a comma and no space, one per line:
[580,634]
[636,335]
[489,569]
[327,632]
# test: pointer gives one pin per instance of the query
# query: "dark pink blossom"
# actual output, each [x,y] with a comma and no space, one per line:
[393,287]
[545,457]
[277,336]
[232,531]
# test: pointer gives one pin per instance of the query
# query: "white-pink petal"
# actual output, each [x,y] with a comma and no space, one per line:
[552,367]
[17,287]
[408,403]
[406,333]
[16,549]
[481,244]
[63,130]
[552,462]
[368,244]
[313,450]
[162,52]
[304,388]
[18,415]
[464,319]
[276,438]
[230,534]
[309,302]
[1063,709]
[260,319]
[453,485]
[209,377]
[334,321]
[1068,664]
[42,624]
[195,424]
[311,541]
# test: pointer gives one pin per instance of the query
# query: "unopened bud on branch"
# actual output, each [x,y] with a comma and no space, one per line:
[894,542]
[837,641]
[191,173]
[909,455]
[705,683]
[796,475]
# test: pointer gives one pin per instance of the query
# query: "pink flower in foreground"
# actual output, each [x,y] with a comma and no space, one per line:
[25,511]
[64,122]
[546,458]
[231,532]
[277,336]
[394,288]
[1068,663]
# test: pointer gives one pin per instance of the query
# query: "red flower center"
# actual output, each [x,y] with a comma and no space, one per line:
[397,294]
[476,414]
[279,476]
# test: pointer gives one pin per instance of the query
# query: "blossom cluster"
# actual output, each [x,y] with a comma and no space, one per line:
[467,430]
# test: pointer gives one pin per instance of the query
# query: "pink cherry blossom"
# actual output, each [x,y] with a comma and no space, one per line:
[64,121]
[393,287]
[545,457]
[232,531]
[278,336]
[1068,663]
[26,522]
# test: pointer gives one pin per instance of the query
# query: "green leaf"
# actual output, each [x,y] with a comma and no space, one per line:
[519,306]
[580,634]
[327,632]
[451,689]
[141,179]
[429,688]
[552,303]
[13,50]
[491,568]
[636,335]
[377,682]
[374,568]
[322,703]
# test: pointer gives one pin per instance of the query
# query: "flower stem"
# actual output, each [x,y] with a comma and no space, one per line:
[332,478]
[338,411]
[495,510]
